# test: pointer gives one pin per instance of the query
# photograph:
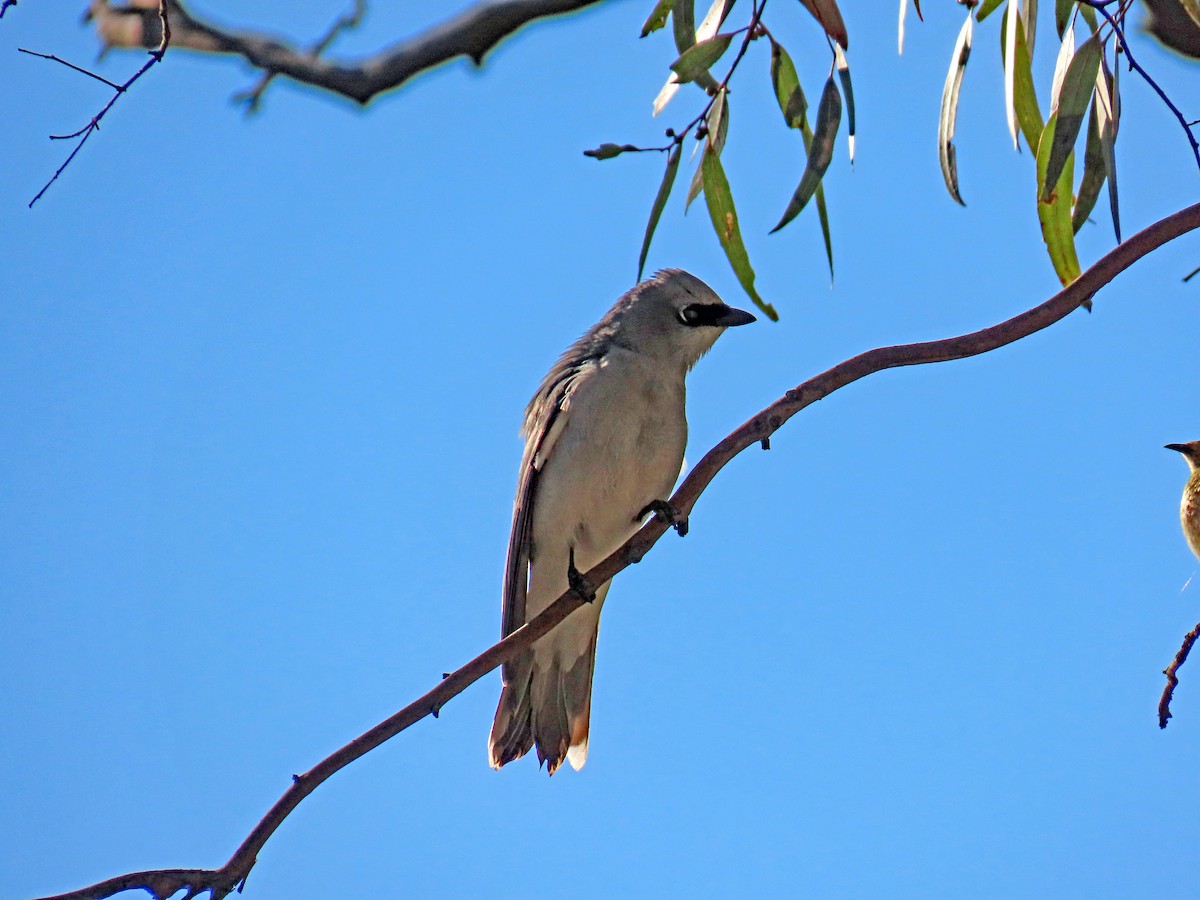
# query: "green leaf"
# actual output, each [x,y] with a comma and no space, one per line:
[695,62]
[1029,114]
[829,116]
[660,201]
[1062,15]
[1089,16]
[986,8]
[718,128]
[1009,38]
[1069,108]
[1054,210]
[827,13]
[1093,175]
[683,24]
[823,215]
[719,199]
[843,70]
[1108,113]
[608,151]
[787,87]
[658,16]
[949,113]
[1029,10]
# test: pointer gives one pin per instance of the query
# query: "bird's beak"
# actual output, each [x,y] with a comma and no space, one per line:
[1178,448]
[730,317]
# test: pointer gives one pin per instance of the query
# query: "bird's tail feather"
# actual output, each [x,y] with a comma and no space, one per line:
[545,705]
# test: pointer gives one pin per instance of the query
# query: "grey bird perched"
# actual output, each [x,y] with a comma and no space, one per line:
[604,441]
[1189,506]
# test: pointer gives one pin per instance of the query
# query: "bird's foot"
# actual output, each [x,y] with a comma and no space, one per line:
[665,512]
[577,582]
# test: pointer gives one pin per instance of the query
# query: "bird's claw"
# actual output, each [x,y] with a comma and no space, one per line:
[577,582]
[665,512]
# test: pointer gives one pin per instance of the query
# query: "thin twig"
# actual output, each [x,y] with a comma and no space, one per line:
[70,65]
[1164,702]
[753,433]
[5,5]
[85,132]
[1133,64]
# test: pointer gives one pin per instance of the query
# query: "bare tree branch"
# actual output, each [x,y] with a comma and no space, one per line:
[1181,655]
[470,33]
[161,883]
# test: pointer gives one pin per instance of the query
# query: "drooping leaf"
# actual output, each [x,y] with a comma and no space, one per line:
[608,151]
[1029,114]
[823,215]
[843,70]
[719,199]
[1093,175]
[718,128]
[683,24]
[829,116]
[658,16]
[946,153]
[1108,111]
[827,13]
[1065,53]
[1054,210]
[791,99]
[1089,16]
[1063,10]
[949,113]
[1029,9]
[1011,21]
[1069,108]
[687,35]
[660,201]
[986,8]
[900,29]
[694,63]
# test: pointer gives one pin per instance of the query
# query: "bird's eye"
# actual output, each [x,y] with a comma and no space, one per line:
[690,315]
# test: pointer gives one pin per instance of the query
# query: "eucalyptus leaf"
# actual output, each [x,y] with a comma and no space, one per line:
[791,99]
[829,116]
[658,17]
[1108,109]
[949,111]
[1011,21]
[719,199]
[718,128]
[1063,10]
[660,201]
[843,70]
[1029,10]
[1029,114]
[1093,175]
[900,29]
[683,24]
[1069,108]
[694,63]
[1054,210]
[986,8]
[827,13]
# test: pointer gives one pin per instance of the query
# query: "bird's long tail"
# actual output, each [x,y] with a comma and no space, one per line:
[547,704]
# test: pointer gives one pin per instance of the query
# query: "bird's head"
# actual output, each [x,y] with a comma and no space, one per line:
[1190,451]
[673,316]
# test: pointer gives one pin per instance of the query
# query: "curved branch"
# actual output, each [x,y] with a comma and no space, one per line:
[471,33]
[756,431]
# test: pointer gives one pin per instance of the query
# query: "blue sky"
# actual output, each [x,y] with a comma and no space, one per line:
[260,384]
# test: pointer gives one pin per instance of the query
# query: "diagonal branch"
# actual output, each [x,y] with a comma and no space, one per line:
[470,33]
[161,883]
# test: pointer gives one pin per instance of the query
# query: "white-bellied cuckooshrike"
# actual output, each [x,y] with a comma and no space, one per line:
[604,441]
